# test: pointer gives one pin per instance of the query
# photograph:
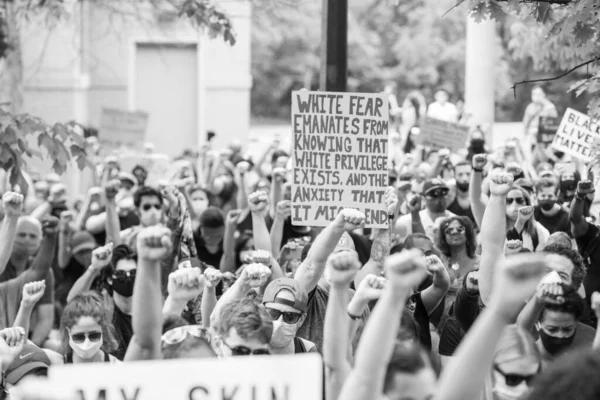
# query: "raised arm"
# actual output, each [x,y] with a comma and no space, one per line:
[466,372]
[100,258]
[475,192]
[311,270]
[228,259]
[112,224]
[84,214]
[434,294]
[260,232]
[184,285]
[43,260]
[284,210]
[493,231]
[65,233]
[241,173]
[153,244]
[212,277]
[547,292]
[278,175]
[585,193]
[32,293]
[404,271]
[13,205]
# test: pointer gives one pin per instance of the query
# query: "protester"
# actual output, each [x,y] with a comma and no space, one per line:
[441,108]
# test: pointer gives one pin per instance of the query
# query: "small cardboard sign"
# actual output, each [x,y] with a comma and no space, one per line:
[576,134]
[295,377]
[439,134]
[547,129]
[340,156]
[121,128]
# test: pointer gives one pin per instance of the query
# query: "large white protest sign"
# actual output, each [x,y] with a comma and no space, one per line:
[439,134]
[297,377]
[576,134]
[340,156]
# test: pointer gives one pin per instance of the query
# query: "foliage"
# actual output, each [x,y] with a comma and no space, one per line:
[205,15]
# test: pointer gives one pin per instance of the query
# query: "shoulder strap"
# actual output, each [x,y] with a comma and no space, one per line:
[299,346]
[69,358]
[106,357]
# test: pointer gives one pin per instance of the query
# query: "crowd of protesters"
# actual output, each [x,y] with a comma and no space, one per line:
[484,285]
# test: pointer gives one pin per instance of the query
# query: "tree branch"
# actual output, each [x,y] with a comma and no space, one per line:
[575,68]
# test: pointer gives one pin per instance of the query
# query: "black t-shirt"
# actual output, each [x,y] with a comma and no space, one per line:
[212,259]
[125,222]
[451,336]
[556,223]
[124,331]
[589,247]
[455,208]
[417,308]
[67,278]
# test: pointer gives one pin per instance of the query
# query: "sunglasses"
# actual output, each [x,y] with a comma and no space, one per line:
[514,379]
[451,230]
[178,335]
[246,351]
[80,337]
[519,200]
[147,207]
[436,194]
[288,317]
[124,274]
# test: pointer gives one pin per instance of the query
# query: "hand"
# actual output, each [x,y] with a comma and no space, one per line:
[279,174]
[49,226]
[33,292]
[169,193]
[94,192]
[479,161]
[406,270]
[11,344]
[514,169]
[551,293]
[154,243]
[585,188]
[515,283]
[258,201]
[434,265]
[291,251]
[57,195]
[284,209]
[66,217]
[182,184]
[111,189]
[261,257]
[390,198]
[371,287]
[595,300]
[212,277]
[472,282]
[231,219]
[525,213]
[500,183]
[513,247]
[414,205]
[342,268]
[243,167]
[12,203]
[444,154]
[101,257]
[185,284]
[350,219]
[255,275]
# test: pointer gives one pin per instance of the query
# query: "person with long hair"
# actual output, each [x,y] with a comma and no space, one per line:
[86,332]
[413,109]
[520,223]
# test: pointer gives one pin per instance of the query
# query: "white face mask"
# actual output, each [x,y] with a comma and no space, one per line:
[87,349]
[283,334]
[504,392]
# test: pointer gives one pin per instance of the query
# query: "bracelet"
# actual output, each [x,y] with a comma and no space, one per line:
[354,317]
[477,169]
[390,217]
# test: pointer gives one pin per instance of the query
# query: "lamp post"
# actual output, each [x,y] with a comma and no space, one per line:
[334,49]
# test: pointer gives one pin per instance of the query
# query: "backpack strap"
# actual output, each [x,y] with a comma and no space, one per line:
[299,346]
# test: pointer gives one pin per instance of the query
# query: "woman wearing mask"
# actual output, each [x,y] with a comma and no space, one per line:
[86,333]
[520,223]
[198,200]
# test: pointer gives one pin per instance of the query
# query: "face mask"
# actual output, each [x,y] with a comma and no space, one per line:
[283,334]
[546,205]
[199,206]
[463,186]
[554,345]
[124,286]
[87,349]
[477,144]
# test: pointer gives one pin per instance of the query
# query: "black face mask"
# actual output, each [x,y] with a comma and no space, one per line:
[462,186]
[546,205]
[124,285]
[554,345]
[477,145]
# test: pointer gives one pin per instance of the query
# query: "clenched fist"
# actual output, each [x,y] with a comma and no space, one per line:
[284,209]
[525,213]
[33,292]
[513,247]
[258,201]
[585,189]
[212,277]
[479,161]
[111,189]
[13,204]
[255,275]
[342,268]
[350,219]
[406,270]
[50,226]
[434,265]
[371,287]
[154,243]
[500,183]
[261,257]
[11,344]
[101,257]
[185,284]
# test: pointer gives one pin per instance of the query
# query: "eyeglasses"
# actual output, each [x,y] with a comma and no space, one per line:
[436,194]
[519,200]
[120,274]
[514,379]
[147,207]
[80,337]
[288,317]
[246,351]
[178,335]
[451,230]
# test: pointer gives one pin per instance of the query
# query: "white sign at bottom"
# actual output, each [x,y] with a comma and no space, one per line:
[297,377]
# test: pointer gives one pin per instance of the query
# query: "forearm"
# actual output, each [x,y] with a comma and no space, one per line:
[146,318]
[81,218]
[475,196]
[416,224]
[530,314]
[173,307]
[493,231]
[96,223]
[242,195]
[42,210]
[276,236]
[336,341]
[8,230]
[260,233]
[596,344]
[64,255]
[113,226]
[466,308]
[44,322]
[379,251]
[209,303]
[23,318]
[188,202]
[228,259]
[83,284]
[276,196]
[43,260]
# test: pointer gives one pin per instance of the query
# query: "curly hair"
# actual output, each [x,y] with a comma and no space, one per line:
[579,270]
[88,304]
[248,317]
[573,304]
[471,243]
[146,191]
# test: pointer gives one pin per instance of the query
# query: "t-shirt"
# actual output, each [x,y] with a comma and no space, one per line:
[556,223]
[125,222]
[417,308]
[589,247]
[10,299]
[426,221]
[456,208]
[124,331]
[66,278]
[212,259]
[444,112]
[11,272]
[450,337]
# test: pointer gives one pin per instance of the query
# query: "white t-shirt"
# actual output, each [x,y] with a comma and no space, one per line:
[445,112]
[404,224]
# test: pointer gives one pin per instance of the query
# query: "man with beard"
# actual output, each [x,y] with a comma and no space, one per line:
[548,212]
[460,204]
[435,192]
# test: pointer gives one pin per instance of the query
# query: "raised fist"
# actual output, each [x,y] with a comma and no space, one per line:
[550,292]
[479,161]
[49,226]
[371,287]
[169,193]
[406,270]
[514,169]
[390,198]
[513,247]
[342,268]
[33,292]
[12,203]
[154,243]
[11,344]
[525,213]
[434,264]
[243,167]
[66,217]
[261,257]
[212,277]
[258,201]
[284,209]
[444,154]
[472,282]
[94,192]
[500,183]
[350,219]
[101,257]
[279,174]
[231,219]
[185,284]
[255,275]
[585,188]
[414,204]
[181,184]
[111,189]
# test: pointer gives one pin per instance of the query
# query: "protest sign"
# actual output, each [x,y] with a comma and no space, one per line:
[547,129]
[120,128]
[439,134]
[296,377]
[340,156]
[158,166]
[576,134]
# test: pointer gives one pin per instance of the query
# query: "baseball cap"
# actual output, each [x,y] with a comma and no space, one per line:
[31,358]
[433,184]
[301,297]
[82,240]
[126,176]
[345,244]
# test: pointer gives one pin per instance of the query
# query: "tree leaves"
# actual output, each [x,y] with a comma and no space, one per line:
[204,15]
[583,33]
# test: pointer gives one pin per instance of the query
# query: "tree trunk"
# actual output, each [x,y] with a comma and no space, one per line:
[11,65]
